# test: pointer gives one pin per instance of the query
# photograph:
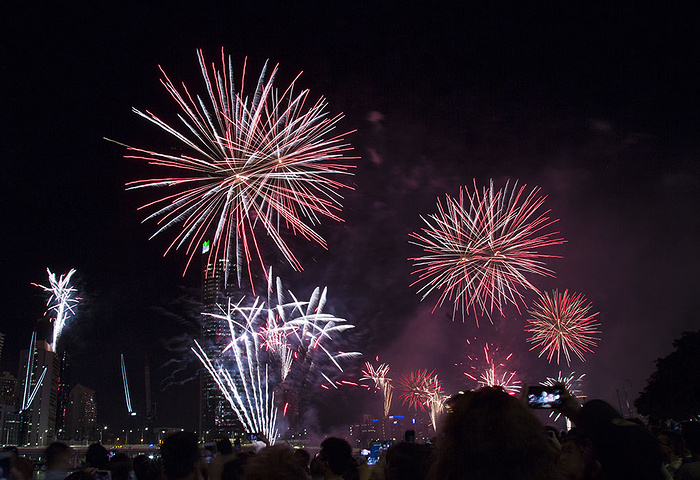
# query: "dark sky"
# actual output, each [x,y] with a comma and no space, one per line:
[598,105]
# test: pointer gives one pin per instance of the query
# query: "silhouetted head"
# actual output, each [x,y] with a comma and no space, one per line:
[618,448]
[180,455]
[145,468]
[276,462]
[408,461]
[336,452]
[224,446]
[58,456]
[488,434]
[97,457]
[120,466]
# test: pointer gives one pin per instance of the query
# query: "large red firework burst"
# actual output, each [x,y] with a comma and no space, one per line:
[561,323]
[480,247]
[248,164]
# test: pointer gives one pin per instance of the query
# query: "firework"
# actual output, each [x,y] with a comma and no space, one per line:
[572,384]
[296,333]
[480,247]
[274,342]
[62,302]
[561,323]
[493,372]
[423,390]
[127,396]
[383,383]
[29,392]
[245,383]
[259,164]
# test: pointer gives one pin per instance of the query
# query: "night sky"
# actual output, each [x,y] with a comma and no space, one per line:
[597,105]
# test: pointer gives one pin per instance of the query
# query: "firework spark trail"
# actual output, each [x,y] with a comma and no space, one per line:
[423,389]
[248,392]
[480,247]
[30,393]
[61,301]
[561,323]
[379,377]
[126,387]
[572,384]
[295,331]
[269,162]
[263,338]
[493,372]
[436,406]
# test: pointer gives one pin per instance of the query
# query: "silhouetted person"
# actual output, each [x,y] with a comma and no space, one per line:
[690,469]
[145,468]
[615,448]
[180,456]
[224,454]
[97,457]
[274,463]
[59,461]
[671,445]
[408,461]
[22,469]
[570,462]
[120,466]
[336,455]
[488,434]
[303,457]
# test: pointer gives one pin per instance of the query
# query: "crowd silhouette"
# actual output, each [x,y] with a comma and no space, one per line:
[486,434]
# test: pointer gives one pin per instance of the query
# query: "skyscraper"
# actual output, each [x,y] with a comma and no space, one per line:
[81,414]
[2,343]
[217,418]
[8,389]
[39,419]
[62,400]
[8,411]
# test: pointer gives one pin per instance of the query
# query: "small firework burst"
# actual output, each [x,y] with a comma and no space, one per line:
[492,370]
[481,247]
[570,381]
[417,386]
[62,302]
[561,323]
[381,382]
[423,390]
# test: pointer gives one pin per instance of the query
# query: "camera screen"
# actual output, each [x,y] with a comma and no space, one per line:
[544,397]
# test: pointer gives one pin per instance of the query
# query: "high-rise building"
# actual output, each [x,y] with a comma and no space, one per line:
[39,418]
[8,388]
[81,414]
[8,410]
[62,400]
[217,418]
[2,343]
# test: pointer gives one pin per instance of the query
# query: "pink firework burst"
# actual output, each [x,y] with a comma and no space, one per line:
[561,323]
[493,371]
[418,387]
[480,247]
[250,167]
